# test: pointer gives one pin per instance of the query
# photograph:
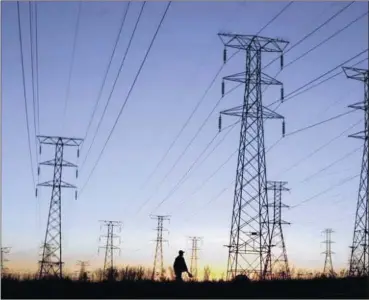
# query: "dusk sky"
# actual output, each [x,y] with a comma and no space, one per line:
[184,59]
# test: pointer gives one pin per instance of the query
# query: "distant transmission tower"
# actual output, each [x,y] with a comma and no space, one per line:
[278,253]
[328,265]
[4,252]
[249,236]
[194,255]
[83,274]
[51,263]
[359,259]
[158,259]
[109,270]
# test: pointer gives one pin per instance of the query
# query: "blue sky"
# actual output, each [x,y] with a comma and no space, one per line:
[185,57]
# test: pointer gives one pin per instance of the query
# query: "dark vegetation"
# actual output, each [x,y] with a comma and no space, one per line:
[344,288]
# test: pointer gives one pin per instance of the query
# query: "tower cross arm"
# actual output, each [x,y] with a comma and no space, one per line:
[251,113]
[356,73]
[53,140]
[64,163]
[243,77]
[359,135]
[51,183]
[253,42]
[360,105]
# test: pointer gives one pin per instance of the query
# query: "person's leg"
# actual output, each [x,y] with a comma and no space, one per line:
[179,276]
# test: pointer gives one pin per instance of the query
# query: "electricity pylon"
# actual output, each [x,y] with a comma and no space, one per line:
[194,256]
[277,247]
[249,235]
[328,265]
[109,270]
[158,258]
[4,252]
[359,259]
[83,274]
[51,263]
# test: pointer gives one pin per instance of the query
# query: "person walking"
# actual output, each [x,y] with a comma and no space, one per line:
[180,266]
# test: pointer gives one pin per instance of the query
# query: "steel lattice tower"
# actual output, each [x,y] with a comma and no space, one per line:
[51,263]
[83,274]
[249,235]
[328,265]
[4,251]
[278,253]
[109,270]
[359,259]
[194,255]
[158,258]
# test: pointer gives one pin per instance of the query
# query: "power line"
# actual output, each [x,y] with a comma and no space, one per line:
[233,181]
[24,92]
[331,165]
[313,48]
[37,73]
[230,128]
[108,68]
[32,78]
[129,93]
[327,39]
[72,61]
[183,177]
[115,82]
[291,94]
[186,123]
[272,146]
[319,123]
[313,31]
[317,84]
[319,149]
[213,174]
[275,17]
[332,187]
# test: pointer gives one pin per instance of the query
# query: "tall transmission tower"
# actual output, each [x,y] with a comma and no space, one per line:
[109,270]
[4,252]
[277,247]
[328,265]
[249,235]
[194,255]
[51,263]
[158,258]
[83,274]
[359,259]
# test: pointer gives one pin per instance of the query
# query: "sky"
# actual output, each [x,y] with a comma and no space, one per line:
[184,59]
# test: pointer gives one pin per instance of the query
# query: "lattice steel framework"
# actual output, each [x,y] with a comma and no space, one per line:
[158,258]
[277,257]
[109,270]
[83,274]
[51,264]
[359,259]
[4,252]
[249,236]
[194,256]
[328,265]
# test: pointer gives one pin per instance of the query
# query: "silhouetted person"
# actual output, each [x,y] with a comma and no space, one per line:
[180,266]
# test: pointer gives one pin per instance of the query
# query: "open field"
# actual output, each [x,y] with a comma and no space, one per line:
[314,288]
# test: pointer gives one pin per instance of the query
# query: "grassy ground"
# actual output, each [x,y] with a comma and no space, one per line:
[315,288]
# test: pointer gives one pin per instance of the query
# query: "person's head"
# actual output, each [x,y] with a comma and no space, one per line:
[180,252]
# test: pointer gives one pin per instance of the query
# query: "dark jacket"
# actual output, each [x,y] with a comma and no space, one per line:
[179,265]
